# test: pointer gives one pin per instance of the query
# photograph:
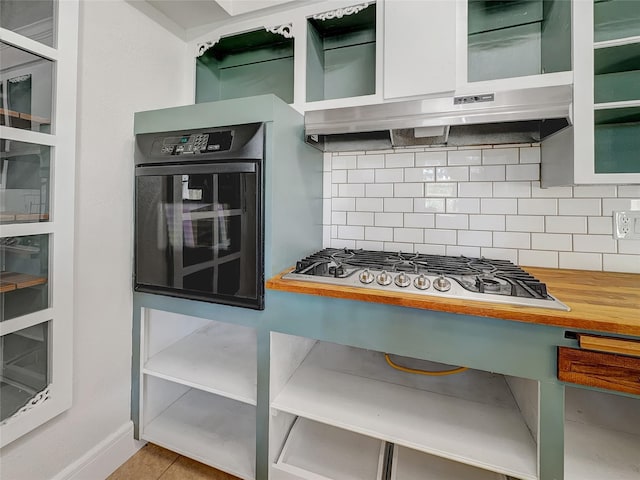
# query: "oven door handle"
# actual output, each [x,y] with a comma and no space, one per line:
[210,168]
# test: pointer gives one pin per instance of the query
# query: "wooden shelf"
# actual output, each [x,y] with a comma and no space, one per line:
[446,423]
[413,465]
[210,429]
[25,116]
[10,281]
[6,217]
[219,358]
[310,444]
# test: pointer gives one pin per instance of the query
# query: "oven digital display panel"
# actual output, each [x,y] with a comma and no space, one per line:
[193,144]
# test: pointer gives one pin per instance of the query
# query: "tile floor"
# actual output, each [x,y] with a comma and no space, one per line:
[152,462]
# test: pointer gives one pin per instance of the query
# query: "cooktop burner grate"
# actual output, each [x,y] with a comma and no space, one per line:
[461,277]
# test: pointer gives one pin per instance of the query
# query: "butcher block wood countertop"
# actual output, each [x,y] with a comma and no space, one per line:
[599,301]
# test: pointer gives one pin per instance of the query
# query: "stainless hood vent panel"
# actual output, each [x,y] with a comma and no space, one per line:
[517,116]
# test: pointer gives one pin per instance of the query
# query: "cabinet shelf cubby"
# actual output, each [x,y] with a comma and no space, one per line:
[251,63]
[341,55]
[617,73]
[472,418]
[614,19]
[617,139]
[214,430]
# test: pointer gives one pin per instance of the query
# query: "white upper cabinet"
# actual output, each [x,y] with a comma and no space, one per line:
[419,47]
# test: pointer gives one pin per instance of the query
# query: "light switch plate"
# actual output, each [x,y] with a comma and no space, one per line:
[626,225]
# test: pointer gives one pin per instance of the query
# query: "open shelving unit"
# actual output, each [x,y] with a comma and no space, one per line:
[198,379]
[602,436]
[471,419]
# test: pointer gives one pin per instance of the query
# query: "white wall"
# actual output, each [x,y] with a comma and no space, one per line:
[127,63]
[475,201]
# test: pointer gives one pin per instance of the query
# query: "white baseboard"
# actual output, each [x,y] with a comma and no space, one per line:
[101,461]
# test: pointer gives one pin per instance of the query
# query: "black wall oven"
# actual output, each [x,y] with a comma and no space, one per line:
[199,214]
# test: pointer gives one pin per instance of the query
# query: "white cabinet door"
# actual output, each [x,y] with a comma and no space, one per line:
[419,47]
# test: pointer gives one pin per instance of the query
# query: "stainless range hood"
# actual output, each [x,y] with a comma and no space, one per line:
[514,116]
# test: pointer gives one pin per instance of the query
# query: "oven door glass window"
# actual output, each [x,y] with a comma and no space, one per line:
[198,235]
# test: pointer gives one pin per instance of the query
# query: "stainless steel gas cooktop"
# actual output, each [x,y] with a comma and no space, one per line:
[465,278]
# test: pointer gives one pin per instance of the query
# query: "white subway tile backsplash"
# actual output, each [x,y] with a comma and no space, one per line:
[440,236]
[594,191]
[579,206]
[370,161]
[629,246]
[473,201]
[580,261]
[408,235]
[389,175]
[566,224]
[441,189]
[594,243]
[497,206]
[500,254]
[381,234]
[361,176]
[511,189]
[551,241]
[621,263]
[351,190]
[343,162]
[600,225]
[463,205]
[452,174]
[369,204]
[419,220]
[430,159]
[490,173]
[476,238]
[398,160]
[379,190]
[523,172]
[412,190]
[530,155]
[537,206]
[500,156]
[351,232]
[487,222]
[360,218]
[422,174]
[475,189]
[388,219]
[452,221]
[398,204]
[457,250]
[343,204]
[525,223]
[426,205]
[464,157]
[538,258]
[511,240]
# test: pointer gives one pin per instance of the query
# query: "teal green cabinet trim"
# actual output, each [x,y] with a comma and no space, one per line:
[551,431]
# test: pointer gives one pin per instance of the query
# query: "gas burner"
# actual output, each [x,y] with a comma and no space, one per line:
[454,277]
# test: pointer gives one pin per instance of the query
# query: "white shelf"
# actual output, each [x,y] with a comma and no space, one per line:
[447,423]
[210,429]
[310,446]
[410,464]
[602,436]
[219,358]
[617,42]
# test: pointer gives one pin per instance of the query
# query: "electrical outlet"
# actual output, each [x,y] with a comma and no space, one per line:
[626,225]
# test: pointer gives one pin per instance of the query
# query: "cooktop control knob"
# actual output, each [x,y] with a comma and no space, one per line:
[442,284]
[383,278]
[402,280]
[421,282]
[366,276]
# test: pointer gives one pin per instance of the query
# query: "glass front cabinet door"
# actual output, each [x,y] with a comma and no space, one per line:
[37,137]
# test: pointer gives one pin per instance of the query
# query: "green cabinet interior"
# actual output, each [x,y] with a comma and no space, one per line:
[615,19]
[617,140]
[252,63]
[341,56]
[617,73]
[514,38]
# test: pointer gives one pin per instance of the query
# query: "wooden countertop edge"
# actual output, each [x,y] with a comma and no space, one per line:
[586,313]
